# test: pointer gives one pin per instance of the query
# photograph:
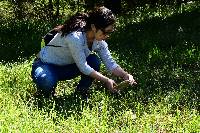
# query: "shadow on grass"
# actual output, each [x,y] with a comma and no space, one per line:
[20,39]
[64,106]
[181,30]
[156,52]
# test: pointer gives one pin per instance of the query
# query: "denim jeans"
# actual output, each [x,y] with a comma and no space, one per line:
[46,76]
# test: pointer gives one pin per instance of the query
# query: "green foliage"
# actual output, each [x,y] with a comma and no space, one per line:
[6,10]
[159,46]
[161,27]
[149,107]
[21,36]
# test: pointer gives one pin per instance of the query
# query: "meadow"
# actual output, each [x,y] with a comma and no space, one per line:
[160,46]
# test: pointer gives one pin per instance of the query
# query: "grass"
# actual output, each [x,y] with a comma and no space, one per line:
[134,111]
[163,55]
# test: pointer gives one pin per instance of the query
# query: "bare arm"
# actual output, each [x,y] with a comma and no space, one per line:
[119,72]
[109,82]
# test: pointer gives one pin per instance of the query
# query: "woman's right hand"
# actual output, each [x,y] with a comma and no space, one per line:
[110,84]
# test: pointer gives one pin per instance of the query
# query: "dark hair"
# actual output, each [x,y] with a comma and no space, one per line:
[101,17]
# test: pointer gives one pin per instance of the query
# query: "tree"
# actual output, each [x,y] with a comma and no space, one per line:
[57,9]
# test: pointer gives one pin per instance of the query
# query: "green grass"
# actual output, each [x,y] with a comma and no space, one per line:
[161,51]
[138,109]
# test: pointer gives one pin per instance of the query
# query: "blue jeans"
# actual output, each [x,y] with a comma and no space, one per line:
[46,76]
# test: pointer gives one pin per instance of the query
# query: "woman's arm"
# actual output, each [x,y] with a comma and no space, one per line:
[119,72]
[111,65]
[109,82]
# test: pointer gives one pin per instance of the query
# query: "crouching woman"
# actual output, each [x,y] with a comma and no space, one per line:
[69,54]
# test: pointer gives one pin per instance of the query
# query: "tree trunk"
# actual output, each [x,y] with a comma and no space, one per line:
[18,9]
[50,10]
[57,9]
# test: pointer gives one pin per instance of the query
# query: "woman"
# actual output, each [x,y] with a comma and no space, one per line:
[69,54]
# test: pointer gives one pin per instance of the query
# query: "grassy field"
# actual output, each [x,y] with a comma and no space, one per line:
[159,46]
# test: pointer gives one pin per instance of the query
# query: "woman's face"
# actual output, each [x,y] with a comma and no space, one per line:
[103,34]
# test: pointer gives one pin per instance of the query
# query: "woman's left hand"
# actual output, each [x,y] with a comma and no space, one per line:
[129,77]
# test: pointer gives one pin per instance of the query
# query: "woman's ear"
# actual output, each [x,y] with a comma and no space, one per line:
[93,28]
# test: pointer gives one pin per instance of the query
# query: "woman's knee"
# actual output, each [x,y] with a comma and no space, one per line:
[94,61]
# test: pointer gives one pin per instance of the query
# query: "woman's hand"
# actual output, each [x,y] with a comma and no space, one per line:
[118,71]
[110,84]
[129,77]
